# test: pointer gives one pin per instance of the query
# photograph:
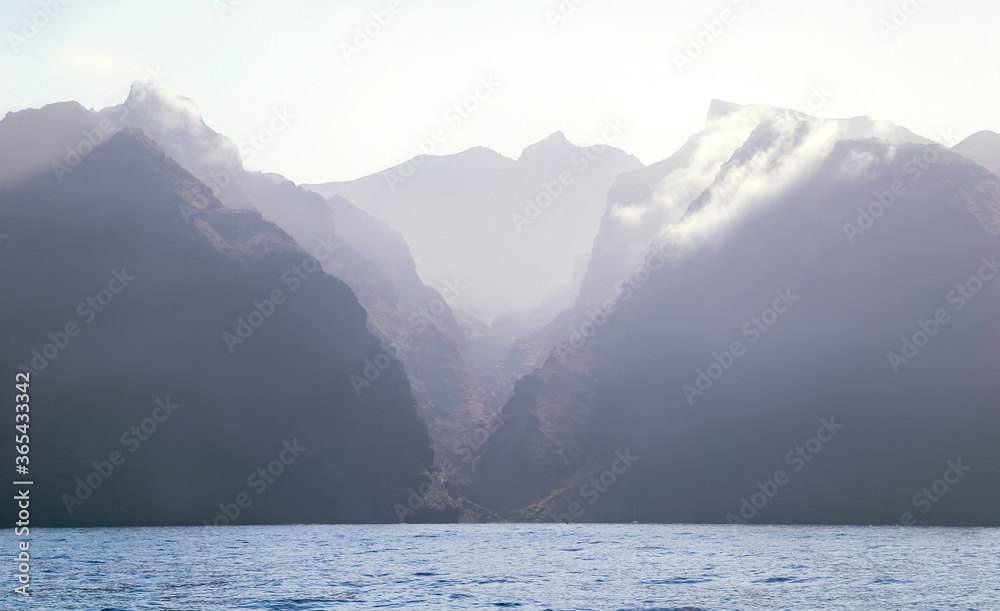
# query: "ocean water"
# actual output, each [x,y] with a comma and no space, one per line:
[536,567]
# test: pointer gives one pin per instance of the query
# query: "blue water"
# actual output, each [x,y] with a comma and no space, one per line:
[536,567]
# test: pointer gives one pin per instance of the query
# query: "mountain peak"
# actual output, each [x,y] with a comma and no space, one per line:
[175,123]
[131,142]
[140,89]
[983,148]
[553,143]
[154,97]
[556,137]
[982,137]
[156,100]
[720,108]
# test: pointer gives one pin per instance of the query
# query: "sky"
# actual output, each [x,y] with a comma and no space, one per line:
[517,70]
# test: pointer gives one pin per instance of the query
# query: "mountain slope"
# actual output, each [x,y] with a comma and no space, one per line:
[198,313]
[774,253]
[983,148]
[369,256]
[513,231]
[645,201]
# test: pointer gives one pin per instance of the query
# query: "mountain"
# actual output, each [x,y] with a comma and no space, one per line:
[640,204]
[983,148]
[369,256]
[514,232]
[804,333]
[190,363]
[418,327]
[788,321]
[644,201]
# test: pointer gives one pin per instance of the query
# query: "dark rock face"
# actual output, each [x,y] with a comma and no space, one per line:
[139,274]
[369,256]
[864,374]
[362,251]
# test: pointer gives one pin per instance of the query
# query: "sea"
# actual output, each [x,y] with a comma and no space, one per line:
[562,567]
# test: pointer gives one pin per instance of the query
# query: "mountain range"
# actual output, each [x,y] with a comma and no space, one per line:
[789,320]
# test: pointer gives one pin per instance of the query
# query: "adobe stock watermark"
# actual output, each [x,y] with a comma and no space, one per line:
[453,120]
[418,496]
[88,311]
[258,481]
[713,29]
[885,199]
[623,292]
[32,25]
[947,137]
[899,17]
[598,485]
[225,7]
[959,297]
[420,321]
[132,439]
[366,33]
[562,12]
[292,278]
[817,98]
[551,190]
[930,496]
[754,330]
[796,459]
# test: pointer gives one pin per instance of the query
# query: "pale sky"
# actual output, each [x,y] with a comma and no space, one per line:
[936,73]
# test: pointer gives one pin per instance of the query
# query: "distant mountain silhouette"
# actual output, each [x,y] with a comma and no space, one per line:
[983,148]
[516,232]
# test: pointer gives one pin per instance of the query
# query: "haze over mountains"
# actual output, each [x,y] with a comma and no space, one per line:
[775,300]
[391,293]
[508,217]
[144,411]
[480,337]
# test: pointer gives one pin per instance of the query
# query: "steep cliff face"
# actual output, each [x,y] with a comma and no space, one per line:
[370,257]
[190,361]
[823,307]
[517,234]
[639,205]
[644,201]
[415,325]
[362,251]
